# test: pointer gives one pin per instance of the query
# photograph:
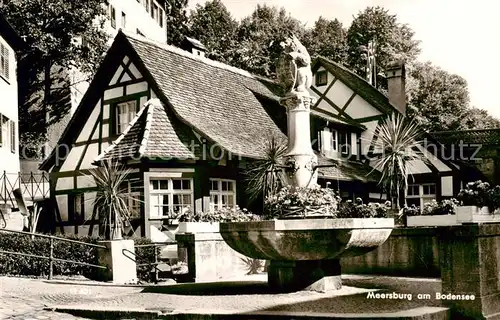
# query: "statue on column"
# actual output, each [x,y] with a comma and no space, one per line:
[294,68]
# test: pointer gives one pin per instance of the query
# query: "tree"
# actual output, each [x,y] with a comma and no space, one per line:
[328,39]
[259,37]
[393,40]
[61,35]
[475,118]
[439,100]
[176,21]
[214,26]
[398,145]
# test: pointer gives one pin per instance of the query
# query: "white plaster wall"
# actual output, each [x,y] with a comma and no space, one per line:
[137,18]
[339,93]
[90,124]
[323,105]
[9,107]
[359,108]
[367,136]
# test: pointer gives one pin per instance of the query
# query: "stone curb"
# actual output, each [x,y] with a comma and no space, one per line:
[106,284]
[422,313]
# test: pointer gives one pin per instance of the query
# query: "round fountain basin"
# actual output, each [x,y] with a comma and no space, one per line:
[306,239]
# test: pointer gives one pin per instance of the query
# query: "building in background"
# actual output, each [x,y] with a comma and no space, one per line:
[146,18]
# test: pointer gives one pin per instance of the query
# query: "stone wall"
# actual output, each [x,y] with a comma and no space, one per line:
[411,252]
[209,258]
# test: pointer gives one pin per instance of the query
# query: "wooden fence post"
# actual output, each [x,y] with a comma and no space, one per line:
[51,258]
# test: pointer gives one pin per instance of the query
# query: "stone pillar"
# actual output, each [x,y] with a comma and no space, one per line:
[309,275]
[119,257]
[300,153]
[470,259]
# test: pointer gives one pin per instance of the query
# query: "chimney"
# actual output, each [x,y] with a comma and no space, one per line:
[396,82]
[194,46]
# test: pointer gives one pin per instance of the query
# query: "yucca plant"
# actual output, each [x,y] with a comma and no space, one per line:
[112,198]
[397,144]
[266,176]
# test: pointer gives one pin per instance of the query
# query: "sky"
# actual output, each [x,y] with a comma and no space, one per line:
[462,37]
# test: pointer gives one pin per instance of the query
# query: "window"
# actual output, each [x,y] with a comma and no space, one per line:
[222,194]
[124,20]
[4,61]
[154,11]
[146,4]
[4,132]
[321,78]
[169,196]
[112,16]
[420,194]
[344,142]
[125,112]
[133,189]
[328,140]
[160,18]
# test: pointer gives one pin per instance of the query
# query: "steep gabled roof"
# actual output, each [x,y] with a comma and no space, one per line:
[359,85]
[217,100]
[480,136]
[153,133]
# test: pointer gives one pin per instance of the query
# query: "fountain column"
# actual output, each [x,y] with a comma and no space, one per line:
[300,155]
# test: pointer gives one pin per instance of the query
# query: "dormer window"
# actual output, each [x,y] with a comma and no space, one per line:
[124,112]
[321,78]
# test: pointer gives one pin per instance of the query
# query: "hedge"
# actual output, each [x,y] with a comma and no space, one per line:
[30,266]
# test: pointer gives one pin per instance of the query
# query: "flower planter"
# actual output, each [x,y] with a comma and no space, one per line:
[432,220]
[305,253]
[198,227]
[471,214]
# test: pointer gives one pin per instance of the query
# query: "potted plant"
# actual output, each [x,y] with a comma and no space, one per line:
[433,213]
[206,222]
[112,205]
[478,201]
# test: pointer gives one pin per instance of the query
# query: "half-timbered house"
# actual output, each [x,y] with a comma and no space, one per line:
[188,127]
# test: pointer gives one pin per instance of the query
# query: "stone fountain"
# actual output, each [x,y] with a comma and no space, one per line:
[304,254]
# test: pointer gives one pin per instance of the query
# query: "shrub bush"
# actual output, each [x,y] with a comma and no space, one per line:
[32,266]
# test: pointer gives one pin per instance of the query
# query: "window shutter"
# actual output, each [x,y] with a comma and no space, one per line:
[326,137]
[6,57]
[13,137]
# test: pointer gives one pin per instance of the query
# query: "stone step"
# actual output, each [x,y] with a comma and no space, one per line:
[421,313]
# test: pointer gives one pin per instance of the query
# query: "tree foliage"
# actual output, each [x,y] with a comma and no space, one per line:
[177,21]
[439,101]
[393,39]
[60,35]
[327,38]
[214,26]
[259,37]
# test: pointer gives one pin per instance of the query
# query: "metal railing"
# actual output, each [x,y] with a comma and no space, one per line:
[33,186]
[51,257]
[150,264]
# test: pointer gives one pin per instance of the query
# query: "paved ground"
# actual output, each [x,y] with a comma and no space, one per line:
[26,298]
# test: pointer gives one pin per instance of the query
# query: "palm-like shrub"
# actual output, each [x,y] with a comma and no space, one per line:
[266,176]
[112,198]
[397,145]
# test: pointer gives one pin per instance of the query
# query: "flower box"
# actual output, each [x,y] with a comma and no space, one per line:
[432,220]
[468,214]
[198,227]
